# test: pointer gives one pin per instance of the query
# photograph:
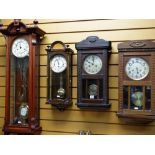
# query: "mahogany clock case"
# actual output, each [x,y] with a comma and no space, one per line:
[59,71]
[137,93]
[92,81]
[22,79]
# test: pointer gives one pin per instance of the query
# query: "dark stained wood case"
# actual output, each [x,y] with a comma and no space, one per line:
[66,52]
[99,47]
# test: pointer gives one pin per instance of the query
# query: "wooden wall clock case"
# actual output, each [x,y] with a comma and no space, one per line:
[22,78]
[59,71]
[137,81]
[93,55]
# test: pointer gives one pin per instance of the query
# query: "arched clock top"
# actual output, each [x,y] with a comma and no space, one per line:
[93,42]
[138,45]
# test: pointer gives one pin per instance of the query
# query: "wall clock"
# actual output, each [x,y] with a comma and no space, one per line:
[22,78]
[137,81]
[92,67]
[59,75]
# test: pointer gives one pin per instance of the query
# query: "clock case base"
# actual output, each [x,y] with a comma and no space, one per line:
[60,104]
[136,119]
[93,106]
[22,130]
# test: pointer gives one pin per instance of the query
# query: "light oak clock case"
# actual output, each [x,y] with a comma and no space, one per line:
[22,78]
[92,65]
[59,70]
[137,81]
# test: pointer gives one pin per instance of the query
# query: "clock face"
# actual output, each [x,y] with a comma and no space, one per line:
[92,64]
[20,48]
[58,63]
[137,68]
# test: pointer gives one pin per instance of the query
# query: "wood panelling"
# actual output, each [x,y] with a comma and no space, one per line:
[74,119]
[1,122]
[113,108]
[113,35]
[82,25]
[2,70]
[96,128]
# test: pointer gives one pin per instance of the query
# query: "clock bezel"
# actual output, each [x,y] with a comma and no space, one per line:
[13,42]
[62,56]
[137,79]
[85,68]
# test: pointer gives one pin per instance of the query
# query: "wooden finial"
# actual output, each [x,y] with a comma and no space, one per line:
[35,22]
[48,46]
[67,46]
[16,22]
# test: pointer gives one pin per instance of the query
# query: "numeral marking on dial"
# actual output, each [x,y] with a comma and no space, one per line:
[137,68]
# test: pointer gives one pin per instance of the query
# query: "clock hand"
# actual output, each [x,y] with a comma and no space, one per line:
[57,62]
[93,60]
[89,62]
[137,70]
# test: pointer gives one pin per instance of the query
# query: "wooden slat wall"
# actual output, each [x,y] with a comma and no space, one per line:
[72,120]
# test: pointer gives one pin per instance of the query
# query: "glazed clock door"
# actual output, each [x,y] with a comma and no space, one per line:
[92,84]
[58,65]
[19,70]
[136,92]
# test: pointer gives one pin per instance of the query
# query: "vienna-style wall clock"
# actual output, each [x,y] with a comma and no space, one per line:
[92,66]
[22,78]
[137,81]
[59,75]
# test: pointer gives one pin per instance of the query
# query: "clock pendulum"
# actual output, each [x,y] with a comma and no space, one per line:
[61,90]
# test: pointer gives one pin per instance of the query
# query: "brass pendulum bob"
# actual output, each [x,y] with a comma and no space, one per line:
[137,98]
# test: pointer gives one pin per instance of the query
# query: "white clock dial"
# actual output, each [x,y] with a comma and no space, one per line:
[58,63]
[92,64]
[20,48]
[137,68]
